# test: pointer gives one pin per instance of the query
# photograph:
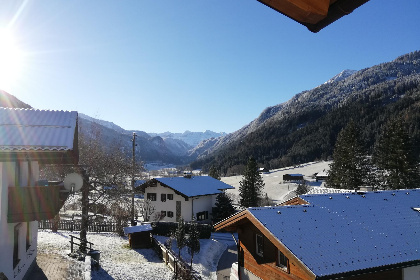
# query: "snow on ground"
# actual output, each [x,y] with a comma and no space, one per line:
[205,262]
[275,188]
[118,261]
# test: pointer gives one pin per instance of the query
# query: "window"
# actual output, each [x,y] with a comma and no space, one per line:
[282,261]
[163,197]
[151,196]
[204,215]
[170,196]
[259,245]
[162,214]
[170,214]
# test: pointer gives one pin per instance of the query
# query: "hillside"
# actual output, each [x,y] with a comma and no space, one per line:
[305,128]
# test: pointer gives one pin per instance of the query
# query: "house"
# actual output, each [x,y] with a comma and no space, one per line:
[189,197]
[373,235]
[292,177]
[30,138]
[321,176]
[263,170]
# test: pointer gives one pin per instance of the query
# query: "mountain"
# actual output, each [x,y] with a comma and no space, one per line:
[165,148]
[10,101]
[305,128]
[191,138]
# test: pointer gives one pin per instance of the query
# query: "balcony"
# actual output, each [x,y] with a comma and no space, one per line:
[35,203]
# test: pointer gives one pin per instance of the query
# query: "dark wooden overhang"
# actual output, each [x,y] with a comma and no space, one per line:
[35,203]
[314,14]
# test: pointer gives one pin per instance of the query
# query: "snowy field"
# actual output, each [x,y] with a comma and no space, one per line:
[275,188]
[118,261]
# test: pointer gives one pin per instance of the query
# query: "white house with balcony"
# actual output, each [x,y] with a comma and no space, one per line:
[189,197]
[30,138]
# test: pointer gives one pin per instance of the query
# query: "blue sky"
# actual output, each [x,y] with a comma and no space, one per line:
[183,65]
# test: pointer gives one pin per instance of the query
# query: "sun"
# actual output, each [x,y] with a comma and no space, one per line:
[10,60]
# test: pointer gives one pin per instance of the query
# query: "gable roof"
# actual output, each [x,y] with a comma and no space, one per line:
[35,133]
[194,186]
[345,234]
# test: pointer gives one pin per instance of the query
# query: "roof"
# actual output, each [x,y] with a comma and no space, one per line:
[30,131]
[194,186]
[314,14]
[140,228]
[343,234]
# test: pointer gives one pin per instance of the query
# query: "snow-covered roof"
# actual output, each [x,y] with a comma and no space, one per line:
[140,228]
[342,233]
[194,186]
[30,130]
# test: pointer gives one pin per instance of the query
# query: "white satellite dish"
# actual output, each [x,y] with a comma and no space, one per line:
[73,182]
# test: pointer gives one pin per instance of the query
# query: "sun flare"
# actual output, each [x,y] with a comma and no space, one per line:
[10,60]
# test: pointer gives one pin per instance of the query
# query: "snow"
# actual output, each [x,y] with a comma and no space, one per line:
[205,262]
[275,188]
[118,261]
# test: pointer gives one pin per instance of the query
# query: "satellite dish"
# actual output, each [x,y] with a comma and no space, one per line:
[73,182]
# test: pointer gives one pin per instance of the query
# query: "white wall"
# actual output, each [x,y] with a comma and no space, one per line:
[411,273]
[200,203]
[26,256]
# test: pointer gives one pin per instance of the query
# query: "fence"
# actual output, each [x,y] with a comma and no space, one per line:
[179,266]
[77,226]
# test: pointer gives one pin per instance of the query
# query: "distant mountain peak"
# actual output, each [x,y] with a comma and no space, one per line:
[341,76]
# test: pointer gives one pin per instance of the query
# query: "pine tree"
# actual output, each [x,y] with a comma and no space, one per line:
[251,185]
[223,207]
[349,167]
[180,238]
[193,240]
[213,172]
[394,157]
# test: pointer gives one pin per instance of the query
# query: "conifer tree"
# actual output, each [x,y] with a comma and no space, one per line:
[213,172]
[251,185]
[180,238]
[193,240]
[393,156]
[223,207]
[349,167]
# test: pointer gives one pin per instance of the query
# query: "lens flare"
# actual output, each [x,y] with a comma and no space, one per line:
[10,60]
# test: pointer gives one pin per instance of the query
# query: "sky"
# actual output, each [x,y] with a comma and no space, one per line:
[194,65]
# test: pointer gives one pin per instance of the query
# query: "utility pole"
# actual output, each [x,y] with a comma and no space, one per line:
[133,223]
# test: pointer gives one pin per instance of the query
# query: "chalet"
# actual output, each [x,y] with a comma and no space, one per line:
[373,235]
[321,176]
[292,177]
[189,197]
[30,138]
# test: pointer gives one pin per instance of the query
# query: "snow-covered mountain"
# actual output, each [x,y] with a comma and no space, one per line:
[307,124]
[189,137]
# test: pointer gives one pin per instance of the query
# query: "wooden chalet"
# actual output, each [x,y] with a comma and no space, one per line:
[357,236]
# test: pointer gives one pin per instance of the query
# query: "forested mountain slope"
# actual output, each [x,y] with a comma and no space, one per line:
[305,128]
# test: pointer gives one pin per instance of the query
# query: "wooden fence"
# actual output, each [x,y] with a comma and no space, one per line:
[77,226]
[177,265]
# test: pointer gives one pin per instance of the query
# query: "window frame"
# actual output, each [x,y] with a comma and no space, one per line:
[162,214]
[170,196]
[259,245]
[280,258]
[170,214]
[203,215]
[151,196]
[163,197]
